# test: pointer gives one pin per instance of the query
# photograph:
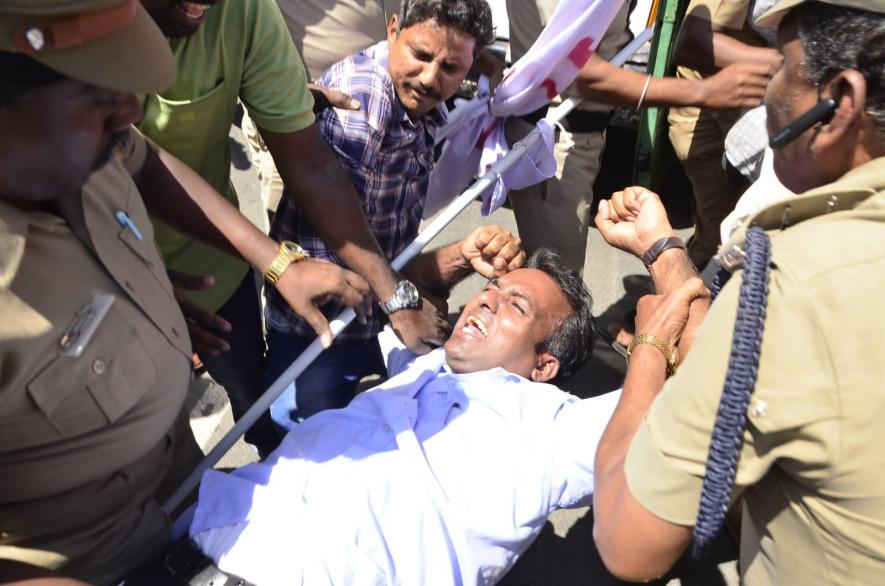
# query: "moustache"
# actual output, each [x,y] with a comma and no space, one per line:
[423,89]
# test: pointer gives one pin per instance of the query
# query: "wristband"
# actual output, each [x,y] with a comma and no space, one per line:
[656,249]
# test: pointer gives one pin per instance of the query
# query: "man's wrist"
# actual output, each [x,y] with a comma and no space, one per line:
[658,247]
[651,345]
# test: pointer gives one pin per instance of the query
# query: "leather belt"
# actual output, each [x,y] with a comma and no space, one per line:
[576,120]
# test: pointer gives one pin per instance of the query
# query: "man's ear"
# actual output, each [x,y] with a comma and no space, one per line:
[849,89]
[546,367]
[393,28]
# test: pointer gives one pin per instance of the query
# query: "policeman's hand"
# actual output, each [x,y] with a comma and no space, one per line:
[740,85]
[201,323]
[307,284]
[633,220]
[492,251]
[324,97]
[666,316]
[421,329]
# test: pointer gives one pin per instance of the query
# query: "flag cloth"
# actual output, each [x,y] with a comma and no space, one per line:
[548,67]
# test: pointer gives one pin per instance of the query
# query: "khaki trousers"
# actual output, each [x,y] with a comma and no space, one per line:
[698,137]
[556,213]
[269,180]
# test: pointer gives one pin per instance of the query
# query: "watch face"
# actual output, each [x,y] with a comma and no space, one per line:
[292,247]
[411,294]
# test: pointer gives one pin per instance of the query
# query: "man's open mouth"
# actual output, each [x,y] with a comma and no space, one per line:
[193,10]
[475,327]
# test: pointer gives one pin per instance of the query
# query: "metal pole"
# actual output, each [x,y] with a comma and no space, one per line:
[339,323]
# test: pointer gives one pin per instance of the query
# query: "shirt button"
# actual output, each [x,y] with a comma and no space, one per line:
[129,286]
[99,366]
[760,408]
[175,332]
[387,428]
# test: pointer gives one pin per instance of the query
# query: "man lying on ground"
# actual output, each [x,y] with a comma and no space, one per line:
[445,473]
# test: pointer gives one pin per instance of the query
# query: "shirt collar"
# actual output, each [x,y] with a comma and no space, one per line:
[861,187]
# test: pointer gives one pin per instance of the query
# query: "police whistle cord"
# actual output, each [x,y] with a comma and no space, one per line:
[740,379]
[310,353]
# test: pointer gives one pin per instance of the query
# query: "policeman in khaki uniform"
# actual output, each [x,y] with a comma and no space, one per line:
[94,350]
[810,471]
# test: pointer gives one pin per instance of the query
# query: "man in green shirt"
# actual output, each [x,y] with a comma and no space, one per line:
[242,50]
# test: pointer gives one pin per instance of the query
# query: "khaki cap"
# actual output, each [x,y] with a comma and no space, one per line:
[109,43]
[773,16]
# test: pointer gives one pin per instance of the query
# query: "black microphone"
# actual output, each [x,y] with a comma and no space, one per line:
[821,113]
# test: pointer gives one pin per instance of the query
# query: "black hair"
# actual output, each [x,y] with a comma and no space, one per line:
[836,38]
[571,340]
[20,75]
[473,17]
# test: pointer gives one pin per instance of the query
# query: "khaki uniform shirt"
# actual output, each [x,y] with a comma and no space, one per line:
[529,17]
[87,443]
[326,32]
[812,468]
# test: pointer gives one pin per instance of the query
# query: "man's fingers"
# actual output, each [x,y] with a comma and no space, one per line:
[517,261]
[602,220]
[617,205]
[205,342]
[324,97]
[317,321]
[690,290]
[203,316]
[190,282]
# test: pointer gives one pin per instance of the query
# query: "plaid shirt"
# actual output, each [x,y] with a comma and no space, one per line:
[388,158]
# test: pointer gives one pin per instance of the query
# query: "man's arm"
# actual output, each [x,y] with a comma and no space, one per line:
[633,220]
[173,192]
[705,47]
[327,197]
[490,251]
[635,544]
[741,85]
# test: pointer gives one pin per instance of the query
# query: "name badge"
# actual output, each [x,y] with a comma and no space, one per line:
[80,332]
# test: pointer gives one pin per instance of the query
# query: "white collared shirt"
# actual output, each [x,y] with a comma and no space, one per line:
[430,478]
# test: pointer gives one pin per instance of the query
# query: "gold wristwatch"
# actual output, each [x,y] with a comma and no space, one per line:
[670,354]
[289,253]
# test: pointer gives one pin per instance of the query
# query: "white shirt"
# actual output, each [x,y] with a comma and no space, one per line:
[430,478]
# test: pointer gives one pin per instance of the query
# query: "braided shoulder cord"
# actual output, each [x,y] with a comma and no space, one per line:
[740,379]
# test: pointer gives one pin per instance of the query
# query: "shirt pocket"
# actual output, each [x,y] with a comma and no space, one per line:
[78,395]
[194,130]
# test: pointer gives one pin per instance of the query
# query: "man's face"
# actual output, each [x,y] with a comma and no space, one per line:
[177,18]
[427,63]
[52,139]
[790,95]
[503,325]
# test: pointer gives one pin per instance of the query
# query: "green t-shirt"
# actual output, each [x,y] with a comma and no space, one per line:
[241,51]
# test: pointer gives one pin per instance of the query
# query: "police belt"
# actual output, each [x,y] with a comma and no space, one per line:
[576,120]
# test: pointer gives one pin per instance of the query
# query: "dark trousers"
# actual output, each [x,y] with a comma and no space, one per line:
[241,370]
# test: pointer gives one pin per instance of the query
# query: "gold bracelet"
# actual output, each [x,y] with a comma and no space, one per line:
[288,254]
[670,354]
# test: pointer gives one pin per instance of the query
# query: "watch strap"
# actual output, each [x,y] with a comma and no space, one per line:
[285,257]
[398,300]
[656,249]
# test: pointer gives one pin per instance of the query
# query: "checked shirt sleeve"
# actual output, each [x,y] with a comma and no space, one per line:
[357,135]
